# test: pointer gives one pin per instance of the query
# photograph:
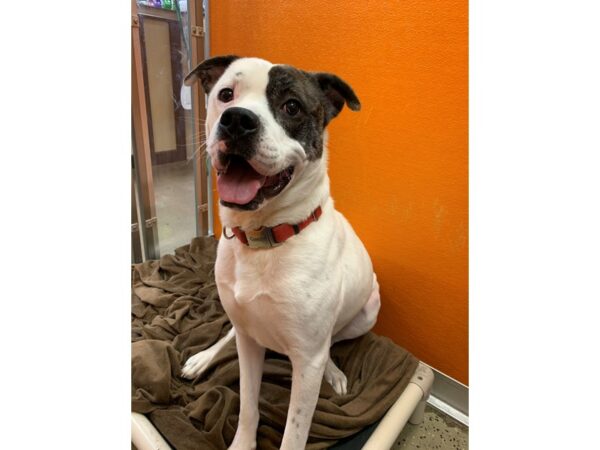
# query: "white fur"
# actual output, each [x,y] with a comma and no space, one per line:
[198,363]
[298,298]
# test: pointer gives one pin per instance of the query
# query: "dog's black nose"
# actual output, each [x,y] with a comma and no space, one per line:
[238,122]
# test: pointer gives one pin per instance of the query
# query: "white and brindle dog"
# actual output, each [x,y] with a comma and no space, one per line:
[292,274]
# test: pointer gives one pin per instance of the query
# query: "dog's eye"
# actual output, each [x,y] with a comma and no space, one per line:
[291,107]
[225,95]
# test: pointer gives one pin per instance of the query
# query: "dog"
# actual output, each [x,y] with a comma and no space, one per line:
[291,273]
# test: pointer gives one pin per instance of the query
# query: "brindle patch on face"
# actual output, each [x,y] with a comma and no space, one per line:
[286,83]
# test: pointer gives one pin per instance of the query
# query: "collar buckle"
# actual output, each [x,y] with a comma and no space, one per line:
[261,238]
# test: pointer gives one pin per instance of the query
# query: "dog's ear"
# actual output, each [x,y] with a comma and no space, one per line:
[209,71]
[337,92]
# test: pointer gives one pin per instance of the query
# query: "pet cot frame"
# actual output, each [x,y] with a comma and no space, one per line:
[409,407]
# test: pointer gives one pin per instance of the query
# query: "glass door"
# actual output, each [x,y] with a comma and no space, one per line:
[170,167]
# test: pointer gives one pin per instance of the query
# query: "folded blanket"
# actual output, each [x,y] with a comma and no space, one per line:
[176,312]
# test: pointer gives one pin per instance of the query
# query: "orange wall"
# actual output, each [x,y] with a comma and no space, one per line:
[399,167]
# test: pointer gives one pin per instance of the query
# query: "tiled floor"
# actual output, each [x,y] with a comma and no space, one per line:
[437,431]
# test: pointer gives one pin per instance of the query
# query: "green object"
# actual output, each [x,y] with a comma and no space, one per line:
[167,4]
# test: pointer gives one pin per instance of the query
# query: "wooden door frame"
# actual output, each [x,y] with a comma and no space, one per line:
[141,145]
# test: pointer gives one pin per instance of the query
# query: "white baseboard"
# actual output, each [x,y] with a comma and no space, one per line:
[450,396]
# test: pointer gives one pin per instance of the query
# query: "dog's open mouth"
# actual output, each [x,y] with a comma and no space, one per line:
[239,184]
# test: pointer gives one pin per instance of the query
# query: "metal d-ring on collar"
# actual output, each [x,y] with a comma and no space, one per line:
[225,234]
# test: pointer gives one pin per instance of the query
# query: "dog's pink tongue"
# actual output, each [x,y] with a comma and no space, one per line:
[240,183]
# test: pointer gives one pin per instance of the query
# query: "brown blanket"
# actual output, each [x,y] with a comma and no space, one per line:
[176,312]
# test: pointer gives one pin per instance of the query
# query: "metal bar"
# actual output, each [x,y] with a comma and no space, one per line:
[206,5]
[136,239]
[450,396]
[195,19]
[209,188]
[448,410]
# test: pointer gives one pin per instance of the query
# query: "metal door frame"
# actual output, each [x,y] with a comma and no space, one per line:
[199,44]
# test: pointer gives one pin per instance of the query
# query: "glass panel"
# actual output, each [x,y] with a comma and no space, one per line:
[165,58]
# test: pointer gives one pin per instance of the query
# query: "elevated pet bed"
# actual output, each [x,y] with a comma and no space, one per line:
[176,312]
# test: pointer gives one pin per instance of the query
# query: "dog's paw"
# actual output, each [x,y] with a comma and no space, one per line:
[336,378]
[197,364]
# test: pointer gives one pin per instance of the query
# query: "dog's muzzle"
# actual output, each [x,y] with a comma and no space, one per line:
[237,123]
[239,184]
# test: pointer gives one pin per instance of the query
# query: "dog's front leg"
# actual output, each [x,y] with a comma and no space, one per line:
[252,357]
[307,374]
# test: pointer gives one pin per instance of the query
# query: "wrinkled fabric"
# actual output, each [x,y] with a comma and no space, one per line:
[176,312]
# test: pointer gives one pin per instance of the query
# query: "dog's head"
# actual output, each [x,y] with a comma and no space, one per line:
[265,124]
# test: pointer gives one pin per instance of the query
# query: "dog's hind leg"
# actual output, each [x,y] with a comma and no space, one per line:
[198,363]
[364,320]
[361,324]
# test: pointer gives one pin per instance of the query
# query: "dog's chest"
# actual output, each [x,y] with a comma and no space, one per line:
[274,298]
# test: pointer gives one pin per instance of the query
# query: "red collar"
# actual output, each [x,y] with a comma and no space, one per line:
[269,237]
